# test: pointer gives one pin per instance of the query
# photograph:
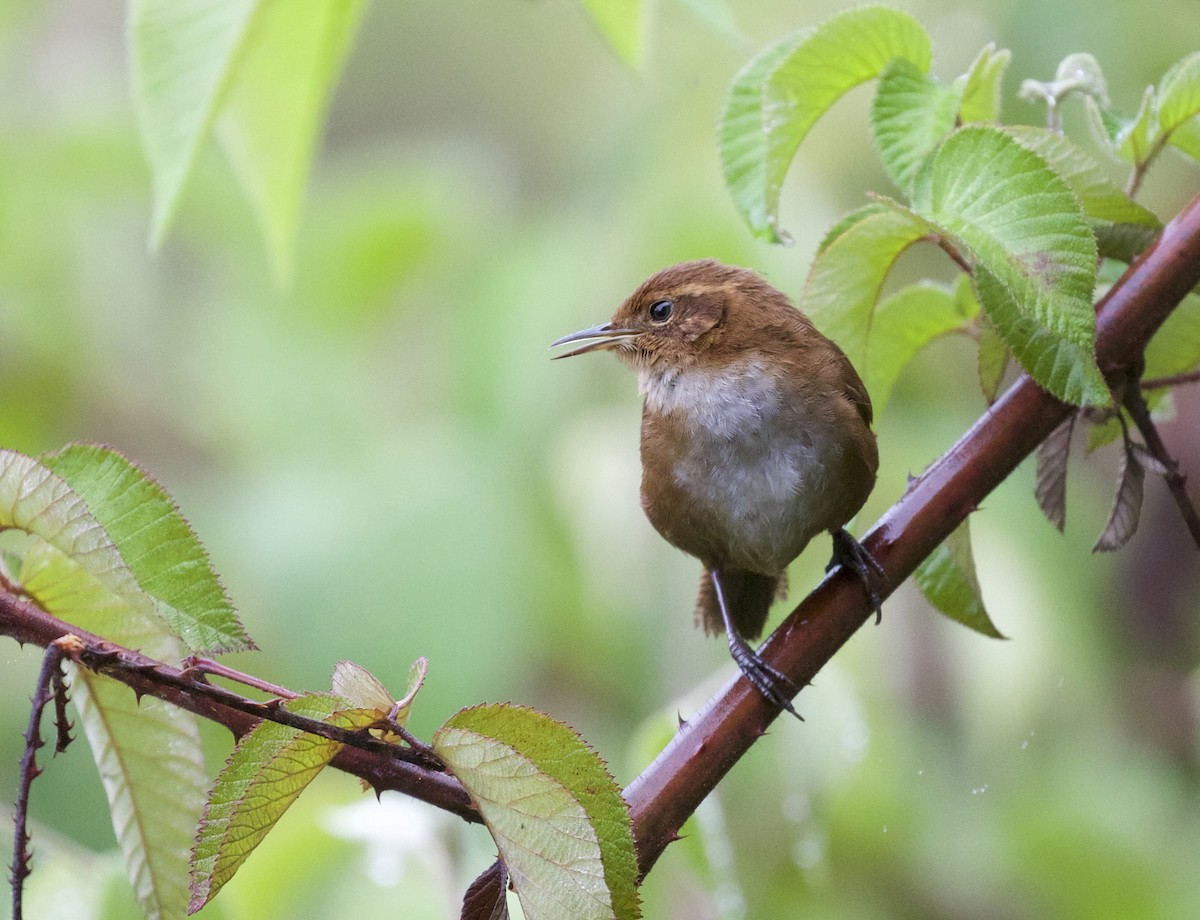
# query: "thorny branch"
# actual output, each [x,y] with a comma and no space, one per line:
[49,687]
[705,748]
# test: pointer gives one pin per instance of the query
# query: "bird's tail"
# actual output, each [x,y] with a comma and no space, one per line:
[749,596]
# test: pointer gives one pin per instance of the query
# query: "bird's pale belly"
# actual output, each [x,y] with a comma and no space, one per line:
[756,479]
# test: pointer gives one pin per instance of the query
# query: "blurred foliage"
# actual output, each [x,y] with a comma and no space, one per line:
[383,464]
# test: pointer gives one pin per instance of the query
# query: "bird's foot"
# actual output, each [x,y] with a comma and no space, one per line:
[775,686]
[849,552]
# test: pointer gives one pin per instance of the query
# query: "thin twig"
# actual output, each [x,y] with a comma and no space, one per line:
[49,687]
[1174,380]
[196,664]
[1176,482]
[106,658]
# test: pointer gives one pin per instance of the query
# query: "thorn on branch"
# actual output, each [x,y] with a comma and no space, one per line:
[50,686]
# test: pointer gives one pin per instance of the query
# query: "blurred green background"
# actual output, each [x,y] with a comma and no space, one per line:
[384,463]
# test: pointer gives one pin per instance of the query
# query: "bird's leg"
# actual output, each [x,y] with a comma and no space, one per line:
[774,685]
[849,552]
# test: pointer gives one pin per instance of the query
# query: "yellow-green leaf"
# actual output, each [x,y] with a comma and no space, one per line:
[182,54]
[848,273]
[1033,254]
[271,118]
[554,811]
[905,323]
[947,579]
[623,25]
[268,769]
[148,754]
[981,85]
[156,542]
[778,96]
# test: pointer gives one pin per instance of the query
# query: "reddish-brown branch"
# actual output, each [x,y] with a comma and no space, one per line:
[671,788]
[29,624]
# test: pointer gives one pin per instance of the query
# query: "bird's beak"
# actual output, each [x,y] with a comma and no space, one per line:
[599,337]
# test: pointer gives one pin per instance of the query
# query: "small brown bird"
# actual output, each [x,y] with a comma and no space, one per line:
[755,438]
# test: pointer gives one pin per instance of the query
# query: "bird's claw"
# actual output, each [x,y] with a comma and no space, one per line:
[853,555]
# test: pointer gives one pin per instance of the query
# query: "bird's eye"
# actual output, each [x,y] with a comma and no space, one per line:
[661,310]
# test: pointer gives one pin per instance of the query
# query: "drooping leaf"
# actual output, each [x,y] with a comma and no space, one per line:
[905,323]
[268,769]
[1127,505]
[1051,477]
[777,97]
[719,16]
[182,55]
[981,86]
[1034,256]
[148,754]
[555,813]
[151,763]
[485,898]
[847,276]
[623,25]
[271,117]
[911,114]
[157,544]
[948,581]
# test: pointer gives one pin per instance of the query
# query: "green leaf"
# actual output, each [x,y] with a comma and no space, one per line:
[719,16]
[1122,242]
[268,769]
[1175,347]
[1034,256]
[911,114]
[182,54]
[1102,199]
[554,811]
[1186,138]
[778,96]
[1178,98]
[152,766]
[148,754]
[623,25]
[981,85]
[157,544]
[947,579]
[271,119]
[993,358]
[1135,141]
[905,323]
[847,276]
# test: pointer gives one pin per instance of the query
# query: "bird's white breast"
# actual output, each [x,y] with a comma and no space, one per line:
[749,459]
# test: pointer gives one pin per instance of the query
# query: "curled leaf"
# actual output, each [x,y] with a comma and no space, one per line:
[1127,505]
[1051,478]
[485,898]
